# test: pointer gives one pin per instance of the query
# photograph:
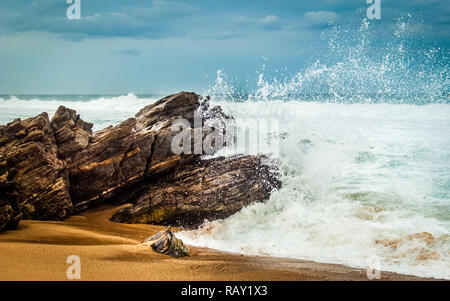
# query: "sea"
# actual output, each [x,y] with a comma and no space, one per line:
[364,160]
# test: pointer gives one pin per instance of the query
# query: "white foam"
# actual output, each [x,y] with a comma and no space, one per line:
[352,175]
[102,111]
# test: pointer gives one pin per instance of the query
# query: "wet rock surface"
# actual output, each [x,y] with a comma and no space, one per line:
[205,189]
[166,243]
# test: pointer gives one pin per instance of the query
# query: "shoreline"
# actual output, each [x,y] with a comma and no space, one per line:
[38,250]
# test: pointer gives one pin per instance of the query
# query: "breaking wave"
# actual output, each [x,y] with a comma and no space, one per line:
[365,159]
[101,110]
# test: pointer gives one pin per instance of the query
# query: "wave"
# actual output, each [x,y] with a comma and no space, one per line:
[364,159]
[357,66]
[102,111]
[358,180]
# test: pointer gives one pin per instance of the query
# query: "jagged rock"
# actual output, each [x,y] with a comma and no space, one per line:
[10,212]
[182,105]
[60,167]
[165,242]
[72,134]
[137,148]
[29,160]
[52,169]
[206,189]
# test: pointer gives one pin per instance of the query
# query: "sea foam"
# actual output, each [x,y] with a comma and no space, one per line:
[101,110]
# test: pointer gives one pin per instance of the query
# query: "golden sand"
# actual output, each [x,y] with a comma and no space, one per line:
[38,250]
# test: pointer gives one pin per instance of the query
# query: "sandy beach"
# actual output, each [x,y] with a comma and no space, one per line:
[111,251]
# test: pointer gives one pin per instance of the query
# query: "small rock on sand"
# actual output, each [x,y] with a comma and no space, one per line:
[165,242]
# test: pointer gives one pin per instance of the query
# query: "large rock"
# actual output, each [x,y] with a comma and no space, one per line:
[52,169]
[29,160]
[205,189]
[72,134]
[138,148]
[10,211]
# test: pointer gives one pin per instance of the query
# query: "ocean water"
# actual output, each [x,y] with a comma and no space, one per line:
[364,160]
[358,180]
[102,110]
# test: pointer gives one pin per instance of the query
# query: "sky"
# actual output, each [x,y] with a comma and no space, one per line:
[155,46]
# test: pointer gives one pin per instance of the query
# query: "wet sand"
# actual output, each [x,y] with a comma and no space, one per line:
[38,250]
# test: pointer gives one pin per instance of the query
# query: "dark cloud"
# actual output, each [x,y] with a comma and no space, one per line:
[165,46]
[218,19]
[160,19]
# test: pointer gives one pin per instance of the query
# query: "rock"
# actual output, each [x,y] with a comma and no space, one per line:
[138,148]
[10,212]
[52,169]
[205,189]
[424,237]
[181,105]
[72,134]
[29,161]
[116,157]
[165,242]
[59,167]
[428,255]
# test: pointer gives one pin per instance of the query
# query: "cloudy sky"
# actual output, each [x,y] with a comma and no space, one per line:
[155,46]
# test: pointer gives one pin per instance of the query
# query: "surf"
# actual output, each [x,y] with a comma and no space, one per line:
[364,158]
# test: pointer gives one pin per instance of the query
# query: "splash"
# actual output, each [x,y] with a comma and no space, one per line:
[358,66]
[358,180]
[364,159]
